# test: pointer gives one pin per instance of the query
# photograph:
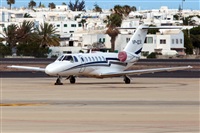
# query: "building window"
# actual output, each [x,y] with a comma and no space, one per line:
[104,40]
[79,25]
[73,25]
[127,40]
[58,25]
[149,40]
[181,41]
[99,40]
[172,41]
[176,41]
[65,25]
[162,41]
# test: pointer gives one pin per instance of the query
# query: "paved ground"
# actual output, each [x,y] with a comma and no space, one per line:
[148,105]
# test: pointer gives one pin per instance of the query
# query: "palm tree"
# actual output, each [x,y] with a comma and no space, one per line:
[97,8]
[77,6]
[52,5]
[10,2]
[122,10]
[31,4]
[47,35]
[126,10]
[25,32]
[9,35]
[64,4]
[114,20]
[133,8]
[118,9]
[26,15]
[83,21]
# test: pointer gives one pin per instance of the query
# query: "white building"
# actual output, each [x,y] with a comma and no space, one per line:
[167,42]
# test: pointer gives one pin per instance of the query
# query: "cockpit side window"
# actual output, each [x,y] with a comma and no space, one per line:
[68,58]
[60,58]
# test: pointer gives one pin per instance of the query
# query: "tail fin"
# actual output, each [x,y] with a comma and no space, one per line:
[136,42]
[133,49]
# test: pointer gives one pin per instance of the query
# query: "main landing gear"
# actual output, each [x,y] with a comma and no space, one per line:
[72,79]
[127,80]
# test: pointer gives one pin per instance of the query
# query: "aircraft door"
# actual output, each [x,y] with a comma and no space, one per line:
[82,68]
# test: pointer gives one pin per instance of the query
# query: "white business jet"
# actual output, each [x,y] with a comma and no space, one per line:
[102,65]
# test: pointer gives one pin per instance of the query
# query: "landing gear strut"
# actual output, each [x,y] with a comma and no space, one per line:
[58,81]
[127,80]
[72,79]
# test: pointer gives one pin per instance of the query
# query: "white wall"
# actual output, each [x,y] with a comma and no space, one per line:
[60,50]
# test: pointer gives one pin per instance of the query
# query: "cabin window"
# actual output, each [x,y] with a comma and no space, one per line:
[93,59]
[103,58]
[86,59]
[82,59]
[68,58]
[99,58]
[75,59]
[89,58]
[96,58]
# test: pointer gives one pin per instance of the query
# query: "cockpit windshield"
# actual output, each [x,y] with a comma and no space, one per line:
[68,58]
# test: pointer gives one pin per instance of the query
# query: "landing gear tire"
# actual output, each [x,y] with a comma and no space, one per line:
[72,80]
[58,81]
[127,80]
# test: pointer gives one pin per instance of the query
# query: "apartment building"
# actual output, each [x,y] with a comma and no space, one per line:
[75,34]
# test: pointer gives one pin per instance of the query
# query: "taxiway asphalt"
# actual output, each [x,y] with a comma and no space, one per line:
[147,105]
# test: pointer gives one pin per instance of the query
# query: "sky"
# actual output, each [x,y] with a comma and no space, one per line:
[108,4]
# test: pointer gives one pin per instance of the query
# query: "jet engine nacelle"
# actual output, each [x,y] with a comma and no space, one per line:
[127,57]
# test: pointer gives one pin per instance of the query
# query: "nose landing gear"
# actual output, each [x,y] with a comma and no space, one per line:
[58,81]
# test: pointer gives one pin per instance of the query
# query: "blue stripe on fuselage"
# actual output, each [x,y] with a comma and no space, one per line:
[98,63]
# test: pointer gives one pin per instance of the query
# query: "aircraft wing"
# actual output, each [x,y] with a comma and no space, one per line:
[142,71]
[28,68]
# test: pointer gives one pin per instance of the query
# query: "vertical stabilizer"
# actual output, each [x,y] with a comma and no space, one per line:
[136,42]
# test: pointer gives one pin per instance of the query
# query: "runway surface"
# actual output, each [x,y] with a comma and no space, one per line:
[148,105]
[174,74]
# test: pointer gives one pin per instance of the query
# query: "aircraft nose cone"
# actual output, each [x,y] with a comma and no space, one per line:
[50,70]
